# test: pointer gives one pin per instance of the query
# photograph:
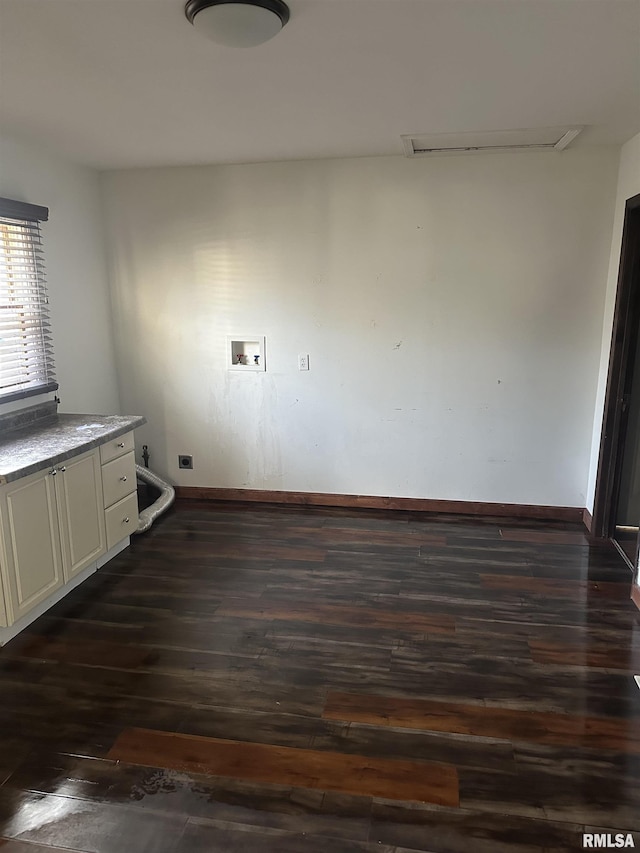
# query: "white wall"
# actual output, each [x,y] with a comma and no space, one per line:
[76,272]
[451,307]
[628,186]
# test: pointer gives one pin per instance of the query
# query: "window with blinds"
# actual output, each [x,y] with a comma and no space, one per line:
[26,350]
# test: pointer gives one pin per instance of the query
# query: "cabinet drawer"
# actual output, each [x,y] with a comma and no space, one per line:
[116,447]
[121,519]
[118,479]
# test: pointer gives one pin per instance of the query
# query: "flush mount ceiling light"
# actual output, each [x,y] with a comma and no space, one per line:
[238,23]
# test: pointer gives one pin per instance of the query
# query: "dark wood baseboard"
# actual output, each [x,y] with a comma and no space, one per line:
[635,595]
[587,519]
[547,513]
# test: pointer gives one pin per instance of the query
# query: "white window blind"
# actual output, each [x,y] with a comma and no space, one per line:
[26,351]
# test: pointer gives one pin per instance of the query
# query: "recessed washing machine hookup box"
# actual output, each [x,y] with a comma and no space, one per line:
[246,352]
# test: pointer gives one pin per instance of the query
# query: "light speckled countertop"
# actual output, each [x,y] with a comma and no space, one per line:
[54,439]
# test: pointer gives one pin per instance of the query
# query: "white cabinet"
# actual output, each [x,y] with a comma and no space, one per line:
[31,557]
[119,488]
[57,524]
[81,512]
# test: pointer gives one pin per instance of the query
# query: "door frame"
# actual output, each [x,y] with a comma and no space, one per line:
[624,338]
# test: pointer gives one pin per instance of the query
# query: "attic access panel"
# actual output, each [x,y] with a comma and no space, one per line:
[533,139]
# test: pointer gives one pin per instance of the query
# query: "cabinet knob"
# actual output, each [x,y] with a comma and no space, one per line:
[124,478]
[121,444]
[63,469]
[126,520]
[53,472]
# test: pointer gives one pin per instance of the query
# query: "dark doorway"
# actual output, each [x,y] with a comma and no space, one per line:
[617,501]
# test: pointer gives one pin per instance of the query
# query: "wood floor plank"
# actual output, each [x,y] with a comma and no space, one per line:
[89,652]
[412,826]
[482,721]
[248,550]
[545,793]
[82,825]
[570,635]
[338,614]
[544,537]
[9,845]
[593,654]
[554,586]
[395,779]
[332,536]
[219,837]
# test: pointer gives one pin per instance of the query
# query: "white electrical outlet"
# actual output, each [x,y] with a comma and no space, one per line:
[303,361]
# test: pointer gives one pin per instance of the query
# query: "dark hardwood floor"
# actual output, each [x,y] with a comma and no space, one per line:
[295,680]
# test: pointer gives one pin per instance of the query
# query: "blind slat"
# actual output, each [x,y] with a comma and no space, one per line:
[16,361]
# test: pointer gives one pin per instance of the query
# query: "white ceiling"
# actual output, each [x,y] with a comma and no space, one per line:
[119,83]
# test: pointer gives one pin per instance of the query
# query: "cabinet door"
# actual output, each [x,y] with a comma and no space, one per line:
[81,512]
[3,612]
[32,564]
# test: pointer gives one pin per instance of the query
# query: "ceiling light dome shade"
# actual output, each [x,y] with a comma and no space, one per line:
[238,23]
